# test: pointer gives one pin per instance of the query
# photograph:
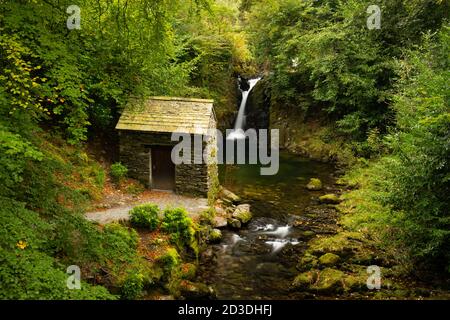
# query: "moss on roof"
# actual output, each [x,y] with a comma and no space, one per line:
[167,114]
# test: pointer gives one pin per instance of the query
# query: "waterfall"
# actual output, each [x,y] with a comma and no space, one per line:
[238,132]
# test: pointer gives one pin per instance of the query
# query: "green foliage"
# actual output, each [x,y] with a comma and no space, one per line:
[406,195]
[180,227]
[15,153]
[323,52]
[169,260]
[27,268]
[132,286]
[55,84]
[145,216]
[118,172]
[129,235]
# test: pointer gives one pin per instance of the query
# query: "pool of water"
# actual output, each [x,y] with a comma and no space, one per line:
[258,261]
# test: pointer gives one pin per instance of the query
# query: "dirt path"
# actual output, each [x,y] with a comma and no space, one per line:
[163,199]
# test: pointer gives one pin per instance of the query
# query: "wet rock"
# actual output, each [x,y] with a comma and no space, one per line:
[195,291]
[235,223]
[242,213]
[229,197]
[314,185]
[329,259]
[207,255]
[215,236]
[304,280]
[219,222]
[330,199]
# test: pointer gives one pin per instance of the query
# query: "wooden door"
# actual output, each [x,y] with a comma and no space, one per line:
[163,169]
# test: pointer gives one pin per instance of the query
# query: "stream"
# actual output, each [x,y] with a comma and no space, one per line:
[258,261]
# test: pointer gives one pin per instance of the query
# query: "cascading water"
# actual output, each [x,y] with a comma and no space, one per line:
[238,132]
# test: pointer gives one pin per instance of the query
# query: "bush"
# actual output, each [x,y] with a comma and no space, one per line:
[179,225]
[132,286]
[118,172]
[169,260]
[145,216]
[130,236]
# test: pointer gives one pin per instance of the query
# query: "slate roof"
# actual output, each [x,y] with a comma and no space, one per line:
[168,114]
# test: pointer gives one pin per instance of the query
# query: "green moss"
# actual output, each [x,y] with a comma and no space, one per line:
[329,259]
[314,184]
[308,261]
[304,280]
[215,236]
[329,281]
[242,213]
[188,271]
[170,260]
[330,199]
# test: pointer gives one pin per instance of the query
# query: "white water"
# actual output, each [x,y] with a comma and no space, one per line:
[236,238]
[281,232]
[238,132]
[279,244]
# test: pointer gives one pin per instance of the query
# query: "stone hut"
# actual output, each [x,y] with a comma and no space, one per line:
[145,137]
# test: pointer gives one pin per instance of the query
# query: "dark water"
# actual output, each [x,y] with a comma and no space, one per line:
[258,262]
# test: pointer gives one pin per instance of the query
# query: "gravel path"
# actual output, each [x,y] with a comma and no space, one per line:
[163,199]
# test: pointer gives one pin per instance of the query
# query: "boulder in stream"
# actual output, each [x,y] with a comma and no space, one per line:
[235,223]
[314,185]
[229,197]
[330,199]
[242,213]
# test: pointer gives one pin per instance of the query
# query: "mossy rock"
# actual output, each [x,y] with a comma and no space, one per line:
[330,199]
[314,185]
[195,291]
[242,213]
[188,271]
[329,281]
[229,197]
[307,262]
[355,283]
[329,259]
[215,236]
[344,244]
[235,223]
[304,280]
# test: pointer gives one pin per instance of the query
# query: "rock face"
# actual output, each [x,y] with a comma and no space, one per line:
[314,185]
[242,213]
[330,199]
[329,259]
[229,197]
[329,281]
